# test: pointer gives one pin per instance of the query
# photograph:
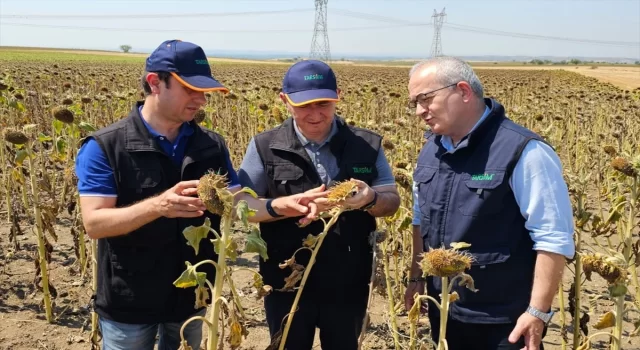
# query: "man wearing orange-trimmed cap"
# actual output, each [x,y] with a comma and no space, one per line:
[137,180]
[311,150]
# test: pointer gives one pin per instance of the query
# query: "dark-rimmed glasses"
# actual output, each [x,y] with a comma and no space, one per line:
[422,97]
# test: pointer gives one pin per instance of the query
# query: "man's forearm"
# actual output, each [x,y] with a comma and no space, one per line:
[111,222]
[417,251]
[386,205]
[547,277]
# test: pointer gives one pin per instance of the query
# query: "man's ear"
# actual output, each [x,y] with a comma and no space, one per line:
[339,93]
[283,98]
[154,82]
[467,92]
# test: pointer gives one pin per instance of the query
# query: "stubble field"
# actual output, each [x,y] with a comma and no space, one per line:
[58,98]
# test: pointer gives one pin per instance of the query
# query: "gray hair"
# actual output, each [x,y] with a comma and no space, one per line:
[451,70]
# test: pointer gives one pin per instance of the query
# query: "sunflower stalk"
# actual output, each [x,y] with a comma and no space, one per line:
[42,255]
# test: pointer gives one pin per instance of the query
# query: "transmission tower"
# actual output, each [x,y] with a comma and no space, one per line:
[320,41]
[436,45]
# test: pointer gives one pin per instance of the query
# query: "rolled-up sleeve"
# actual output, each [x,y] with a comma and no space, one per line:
[543,198]
[251,173]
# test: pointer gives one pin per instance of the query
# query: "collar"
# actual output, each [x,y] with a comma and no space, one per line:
[185,128]
[304,141]
[446,141]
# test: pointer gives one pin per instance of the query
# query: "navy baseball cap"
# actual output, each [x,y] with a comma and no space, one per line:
[310,81]
[186,62]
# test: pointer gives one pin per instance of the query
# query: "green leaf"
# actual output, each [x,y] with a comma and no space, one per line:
[43,138]
[231,248]
[29,127]
[406,223]
[86,127]
[194,234]
[57,126]
[251,192]
[61,145]
[17,105]
[190,277]
[244,212]
[617,290]
[459,245]
[255,244]
[21,155]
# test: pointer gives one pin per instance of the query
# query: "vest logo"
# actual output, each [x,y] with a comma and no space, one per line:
[482,177]
[313,77]
[202,62]
[362,170]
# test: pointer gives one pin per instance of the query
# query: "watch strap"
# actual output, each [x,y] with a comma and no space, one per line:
[544,316]
[270,209]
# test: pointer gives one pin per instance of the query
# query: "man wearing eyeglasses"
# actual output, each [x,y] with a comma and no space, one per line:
[482,179]
[309,151]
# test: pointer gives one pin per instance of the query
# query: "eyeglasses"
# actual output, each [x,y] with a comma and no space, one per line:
[422,98]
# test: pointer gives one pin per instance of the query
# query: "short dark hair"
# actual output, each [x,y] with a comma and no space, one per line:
[163,76]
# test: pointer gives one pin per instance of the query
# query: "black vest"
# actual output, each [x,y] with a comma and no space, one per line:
[343,263]
[136,271]
[464,196]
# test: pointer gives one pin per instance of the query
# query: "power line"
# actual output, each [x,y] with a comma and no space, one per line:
[461,27]
[141,16]
[152,30]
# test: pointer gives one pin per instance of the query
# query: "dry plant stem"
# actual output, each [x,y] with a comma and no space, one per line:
[201,318]
[40,234]
[7,180]
[392,311]
[94,268]
[417,301]
[307,270]
[617,331]
[234,292]
[577,280]
[633,202]
[563,318]
[221,267]
[444,313]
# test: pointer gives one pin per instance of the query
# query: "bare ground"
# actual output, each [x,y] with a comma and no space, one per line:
[23,324]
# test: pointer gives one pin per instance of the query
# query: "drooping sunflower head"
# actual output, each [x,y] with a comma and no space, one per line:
[606,269]
[63,114]
[624,166]
[15,137]
[443,262]
[213,192]
[341,191]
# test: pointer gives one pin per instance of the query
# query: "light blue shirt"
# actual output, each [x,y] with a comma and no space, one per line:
[540,192]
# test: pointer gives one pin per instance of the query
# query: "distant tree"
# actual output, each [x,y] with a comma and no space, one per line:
[637,62]
[575,61]
[125,48]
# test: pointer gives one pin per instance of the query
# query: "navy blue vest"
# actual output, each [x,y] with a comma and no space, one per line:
[464,196]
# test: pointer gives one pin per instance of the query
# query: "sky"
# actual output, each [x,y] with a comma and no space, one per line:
[389,28]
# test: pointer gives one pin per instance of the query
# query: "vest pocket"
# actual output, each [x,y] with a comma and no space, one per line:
[423,176]
[482,194]
[287,178]
[492,273]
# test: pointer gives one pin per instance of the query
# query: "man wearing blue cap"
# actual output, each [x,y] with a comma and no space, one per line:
[312,148]
[137,180]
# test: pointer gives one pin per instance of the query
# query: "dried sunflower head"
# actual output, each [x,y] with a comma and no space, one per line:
[15,137]
[64,115]
[609,271]
[213,192]
[622,165]
[445,262]
[199,116]
[341,191]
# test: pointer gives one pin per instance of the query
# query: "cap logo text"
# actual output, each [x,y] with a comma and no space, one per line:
[202,62]
[313,77]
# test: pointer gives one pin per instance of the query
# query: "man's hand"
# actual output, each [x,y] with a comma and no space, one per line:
[301,204]
[178,201]
[412,289]
[363,197]
[531,328]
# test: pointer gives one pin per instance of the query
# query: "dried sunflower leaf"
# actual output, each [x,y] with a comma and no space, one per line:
[194,234]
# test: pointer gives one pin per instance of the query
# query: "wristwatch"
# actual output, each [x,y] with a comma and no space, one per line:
[545,317]
[271,211]
[372,203]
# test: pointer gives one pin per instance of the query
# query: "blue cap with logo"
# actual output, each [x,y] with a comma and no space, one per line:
[310,81]
[186,62]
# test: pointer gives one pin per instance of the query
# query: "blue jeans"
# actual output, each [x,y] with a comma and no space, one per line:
[125,336]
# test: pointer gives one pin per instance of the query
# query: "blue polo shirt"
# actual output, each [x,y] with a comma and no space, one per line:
[95,176]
